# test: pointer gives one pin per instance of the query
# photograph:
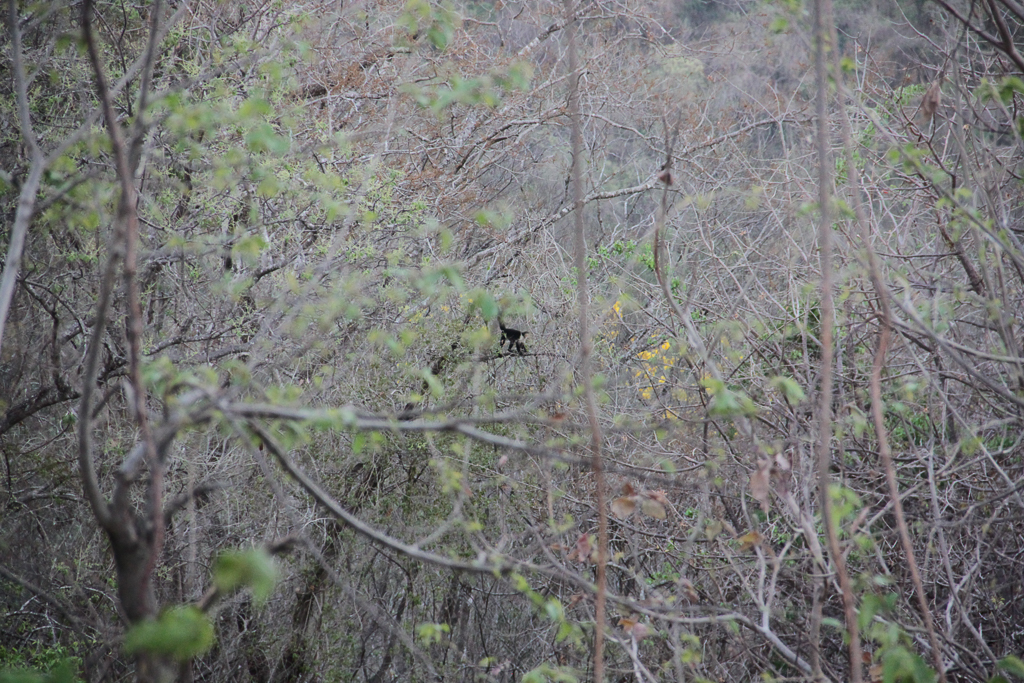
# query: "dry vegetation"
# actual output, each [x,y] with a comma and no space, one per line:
[254,417]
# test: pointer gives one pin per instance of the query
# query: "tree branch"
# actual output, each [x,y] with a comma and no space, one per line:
[358,525]
[29,190]
[823,43]
[59,605]
[586,343]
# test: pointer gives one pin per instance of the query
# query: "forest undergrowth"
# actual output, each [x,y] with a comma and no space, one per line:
[259,420]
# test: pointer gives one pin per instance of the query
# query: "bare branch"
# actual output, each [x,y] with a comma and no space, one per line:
[823,43]
[586,343]
[56,603]
[482,566]
[875,383]
[30,188]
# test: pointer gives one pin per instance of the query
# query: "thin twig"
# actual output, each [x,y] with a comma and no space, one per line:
[875,387]
[586,344]
[823,43]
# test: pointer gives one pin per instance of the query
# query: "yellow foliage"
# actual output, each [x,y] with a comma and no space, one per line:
[655,364]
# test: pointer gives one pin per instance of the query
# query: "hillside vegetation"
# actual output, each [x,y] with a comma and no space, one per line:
[260,421]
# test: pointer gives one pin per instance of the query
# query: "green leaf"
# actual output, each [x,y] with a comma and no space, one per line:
[436,387]
[1012,665]
[64,672]
[269,187]
[724,403]
[439,35]
[546,673]
[248,248]
[358,442]
[445,272]
[1008,87]
[432,633]
[254,107]
[180,632]
[553,610]
[483,300]
[900,665]
[253,568]
[262,138]
[517,77]
[727,403]
[834,623]
[870,606]
[64,41]
[789,388]
[20,676]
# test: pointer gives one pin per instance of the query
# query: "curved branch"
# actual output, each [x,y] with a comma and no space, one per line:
[27,197]
[357,524]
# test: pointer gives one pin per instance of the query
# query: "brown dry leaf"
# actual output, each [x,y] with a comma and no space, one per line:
[583,548]
[760,483]
[931,101]
[687,593]
[633,627]
[652,508]
[623,507]
[782,462]
[640,631]
[783,472]
[628,490]
[659,496]
[749,540]
[498,668]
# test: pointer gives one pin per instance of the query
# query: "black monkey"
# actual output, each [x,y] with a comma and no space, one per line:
[513,337]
